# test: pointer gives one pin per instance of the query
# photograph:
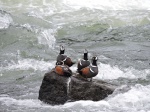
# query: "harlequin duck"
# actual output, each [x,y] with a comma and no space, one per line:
[83,62]
[62,69]
[61,57]
[91,70]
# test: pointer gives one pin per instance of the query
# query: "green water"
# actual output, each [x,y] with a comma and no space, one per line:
[31,33]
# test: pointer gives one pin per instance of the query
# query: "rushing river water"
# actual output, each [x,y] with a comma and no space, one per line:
[117,31]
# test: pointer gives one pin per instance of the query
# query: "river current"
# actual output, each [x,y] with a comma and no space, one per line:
[117,31]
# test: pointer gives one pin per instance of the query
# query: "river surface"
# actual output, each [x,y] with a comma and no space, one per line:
[117,31]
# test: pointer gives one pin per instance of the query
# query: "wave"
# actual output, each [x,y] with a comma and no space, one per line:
[46,37]
[134,99]
[76,4]
[107,72]
[26,64]
[5,19]
[60,12]
[110,4]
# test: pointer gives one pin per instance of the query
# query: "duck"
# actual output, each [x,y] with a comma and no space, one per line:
[91,70]
[62,69]
[64,58]
[82,63]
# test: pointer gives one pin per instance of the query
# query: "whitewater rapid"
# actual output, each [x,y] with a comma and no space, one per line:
[117,31]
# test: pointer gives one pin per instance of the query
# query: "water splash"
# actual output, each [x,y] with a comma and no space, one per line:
[26,64]
[135,99]
[29,27]
[5,20]
[113,72]
[46,37]
[109,4]
[26,102]
[98,4]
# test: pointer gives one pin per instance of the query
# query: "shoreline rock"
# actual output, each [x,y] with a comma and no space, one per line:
[56,89]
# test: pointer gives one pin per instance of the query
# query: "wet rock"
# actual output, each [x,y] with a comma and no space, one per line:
[85,90]
[53,89]
[57,89]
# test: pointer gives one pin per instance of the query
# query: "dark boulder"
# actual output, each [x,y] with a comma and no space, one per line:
[56,89]
[53,89]
[85,90]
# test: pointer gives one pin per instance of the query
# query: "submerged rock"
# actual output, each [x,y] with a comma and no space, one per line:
[56,89]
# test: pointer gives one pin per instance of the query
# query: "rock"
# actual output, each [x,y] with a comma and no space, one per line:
[85,90]
[56,89]
[53,89]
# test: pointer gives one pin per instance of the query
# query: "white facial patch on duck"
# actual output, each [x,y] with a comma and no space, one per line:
[80,63]
[62,48]
[93,66]
[65,68]
[96,58]
[64,59]
[91,70]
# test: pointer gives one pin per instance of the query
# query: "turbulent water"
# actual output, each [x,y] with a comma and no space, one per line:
[117,31]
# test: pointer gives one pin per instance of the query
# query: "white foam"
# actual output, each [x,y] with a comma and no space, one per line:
[30,28]
[86,103]
[136,98]
[21,102]
[65,5]
[26,64]
[5,20]
[113,72]
[46,37]
[109,4]
[41,12]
